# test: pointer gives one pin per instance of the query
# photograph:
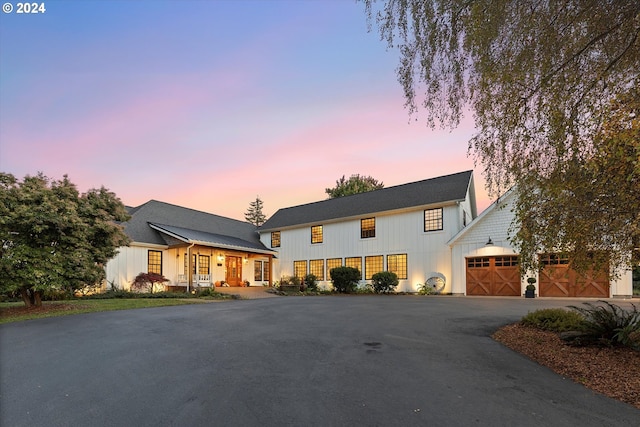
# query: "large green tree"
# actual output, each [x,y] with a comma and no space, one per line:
[354,185]
[552,86]
[53,238]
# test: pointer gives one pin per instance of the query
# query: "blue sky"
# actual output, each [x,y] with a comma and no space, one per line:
[208,104]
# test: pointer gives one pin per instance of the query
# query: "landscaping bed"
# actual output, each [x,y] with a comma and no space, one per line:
[612,371]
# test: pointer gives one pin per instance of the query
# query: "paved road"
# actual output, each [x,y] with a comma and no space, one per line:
[291,361]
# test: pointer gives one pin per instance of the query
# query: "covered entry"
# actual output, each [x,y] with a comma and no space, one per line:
[493,276]
[558,279]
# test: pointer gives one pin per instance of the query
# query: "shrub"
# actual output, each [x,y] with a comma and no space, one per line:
[147,281]
[165,294]
[554,319]
[204,292]
[311,282]
[287,282]
[384,282]
[610,324]
[426,289]
[345,279]
[111,294]
[364,288]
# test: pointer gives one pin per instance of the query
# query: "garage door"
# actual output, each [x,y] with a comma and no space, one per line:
[558,279]
[493,276]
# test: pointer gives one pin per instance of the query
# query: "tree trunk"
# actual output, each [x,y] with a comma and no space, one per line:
[26,298]
[37,298]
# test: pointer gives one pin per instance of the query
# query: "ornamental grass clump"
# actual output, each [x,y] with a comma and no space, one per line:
[611,325]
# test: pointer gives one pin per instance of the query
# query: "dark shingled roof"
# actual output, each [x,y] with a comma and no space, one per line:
[443,189]
[188,224]
[180,235]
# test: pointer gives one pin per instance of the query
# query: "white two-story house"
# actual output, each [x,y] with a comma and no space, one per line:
[403,229]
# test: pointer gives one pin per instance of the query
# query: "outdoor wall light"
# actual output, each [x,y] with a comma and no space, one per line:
[489,242]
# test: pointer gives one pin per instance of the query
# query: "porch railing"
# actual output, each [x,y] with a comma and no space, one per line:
[197,278]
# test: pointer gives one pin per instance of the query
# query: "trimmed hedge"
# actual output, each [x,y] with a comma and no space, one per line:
[345,279]
[384,282]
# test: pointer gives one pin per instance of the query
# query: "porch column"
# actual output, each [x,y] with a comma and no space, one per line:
[190,266]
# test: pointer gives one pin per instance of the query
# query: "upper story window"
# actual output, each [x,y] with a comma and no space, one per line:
[275,239]
[316,234]
[433,219]
[367,228]
[154,262]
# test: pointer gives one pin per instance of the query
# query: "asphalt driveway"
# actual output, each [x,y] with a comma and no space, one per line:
[290,361]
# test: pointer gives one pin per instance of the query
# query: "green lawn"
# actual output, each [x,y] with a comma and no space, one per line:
[16,311]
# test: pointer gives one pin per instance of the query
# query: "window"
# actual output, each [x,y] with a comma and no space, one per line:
[554,259]
[397,264]
[464,218]
[367,228]
[154,262]
[354,262]
[477,262]
[316,234]
[316,267]
[275,239]
[433,219]
[261,271]
[300,269]
[203,264]
[506,261]
[333,263]
[186,265]
[373,265]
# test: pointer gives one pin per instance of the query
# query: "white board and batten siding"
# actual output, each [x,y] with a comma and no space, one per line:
[395,233]
[133,260]
[472,241]
[495,223]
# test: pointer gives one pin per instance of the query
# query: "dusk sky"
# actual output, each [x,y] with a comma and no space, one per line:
[207,104]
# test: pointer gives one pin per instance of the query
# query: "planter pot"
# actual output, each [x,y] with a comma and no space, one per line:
[529,294]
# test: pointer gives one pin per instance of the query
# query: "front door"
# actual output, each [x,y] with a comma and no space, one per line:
[233,270]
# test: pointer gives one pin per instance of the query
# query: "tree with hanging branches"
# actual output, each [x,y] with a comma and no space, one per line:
[553,89]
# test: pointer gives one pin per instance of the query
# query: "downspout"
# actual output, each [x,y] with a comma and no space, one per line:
[190,266]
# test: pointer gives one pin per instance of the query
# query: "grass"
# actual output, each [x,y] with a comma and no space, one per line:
[16,311]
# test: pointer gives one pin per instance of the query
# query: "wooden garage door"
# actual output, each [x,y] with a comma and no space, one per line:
[558,279]
[493,276]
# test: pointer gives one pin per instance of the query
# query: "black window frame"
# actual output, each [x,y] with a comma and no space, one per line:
[315,234]
[156,264]
[367,231]
[433,218]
